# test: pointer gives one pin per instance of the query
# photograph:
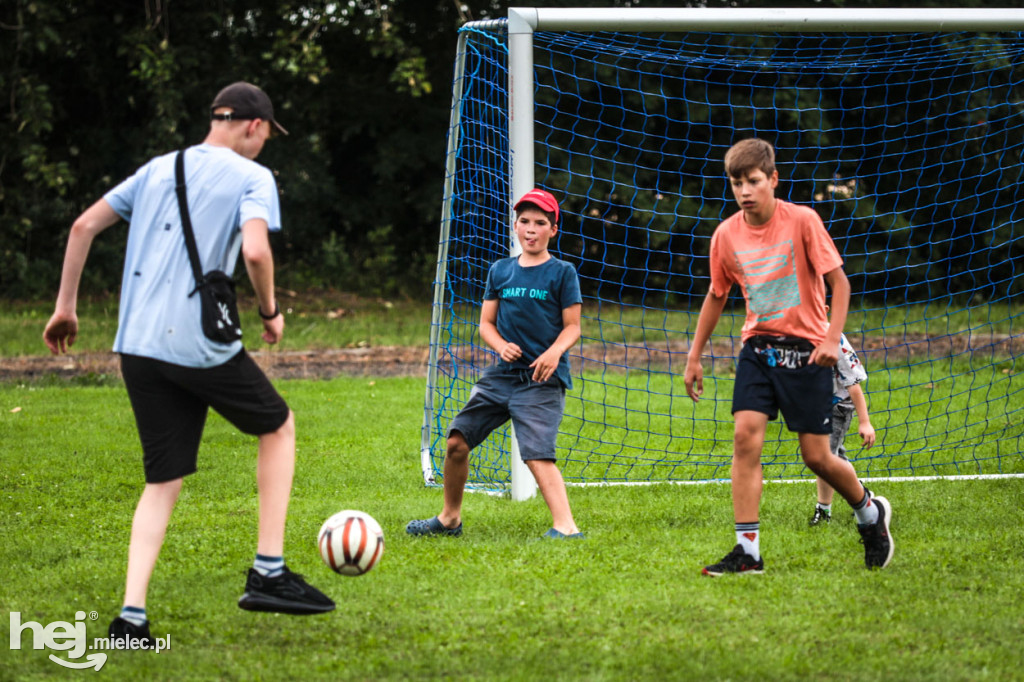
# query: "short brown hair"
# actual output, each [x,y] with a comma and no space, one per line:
[750,154]
[528,205]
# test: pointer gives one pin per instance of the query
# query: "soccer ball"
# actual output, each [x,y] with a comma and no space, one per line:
[351,542]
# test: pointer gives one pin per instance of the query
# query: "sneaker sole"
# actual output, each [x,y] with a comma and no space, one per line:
[253,602]
[884,503]
[719,574]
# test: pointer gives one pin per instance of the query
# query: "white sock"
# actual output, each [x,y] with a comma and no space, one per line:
[866,512]
[748,535]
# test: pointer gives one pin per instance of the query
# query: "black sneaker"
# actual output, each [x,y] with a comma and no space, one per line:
[821,516]
[878,544]
[287,593]
[128,632]
[736,561]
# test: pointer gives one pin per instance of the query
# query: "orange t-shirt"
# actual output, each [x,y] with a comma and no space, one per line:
[779,266]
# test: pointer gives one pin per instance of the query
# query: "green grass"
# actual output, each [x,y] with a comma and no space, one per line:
[332,319]
[324,319]
[628,603]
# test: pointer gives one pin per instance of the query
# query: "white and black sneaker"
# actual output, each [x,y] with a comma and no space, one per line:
[878,544]
[820,516]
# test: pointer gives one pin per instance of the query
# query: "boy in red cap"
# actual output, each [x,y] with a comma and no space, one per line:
[530,317]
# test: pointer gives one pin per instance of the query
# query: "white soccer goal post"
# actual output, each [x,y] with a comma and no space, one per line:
[903,128]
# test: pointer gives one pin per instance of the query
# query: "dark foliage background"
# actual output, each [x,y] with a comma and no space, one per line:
[93,88]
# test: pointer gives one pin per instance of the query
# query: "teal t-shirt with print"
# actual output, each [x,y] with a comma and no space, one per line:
[530,304]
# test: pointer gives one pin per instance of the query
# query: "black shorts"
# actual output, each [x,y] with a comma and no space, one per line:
[170,403]
[770,382]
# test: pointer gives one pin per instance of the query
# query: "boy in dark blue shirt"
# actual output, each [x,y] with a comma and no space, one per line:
[530,317]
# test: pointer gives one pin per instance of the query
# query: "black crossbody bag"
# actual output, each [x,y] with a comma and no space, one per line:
[216,289]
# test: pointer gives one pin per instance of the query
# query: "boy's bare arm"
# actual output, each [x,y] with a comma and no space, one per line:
[710,312]
[259,263]
[827,353]
[547,363]
[62,328]
[864,427]
[509,352]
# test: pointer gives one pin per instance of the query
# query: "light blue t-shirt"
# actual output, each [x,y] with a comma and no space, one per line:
[157,317]
[530,305]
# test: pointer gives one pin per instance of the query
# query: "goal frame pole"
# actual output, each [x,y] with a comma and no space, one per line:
[440,276]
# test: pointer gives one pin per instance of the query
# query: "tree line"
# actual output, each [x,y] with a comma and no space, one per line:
[94,88]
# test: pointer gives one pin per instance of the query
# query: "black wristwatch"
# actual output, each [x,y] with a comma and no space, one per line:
[277,311]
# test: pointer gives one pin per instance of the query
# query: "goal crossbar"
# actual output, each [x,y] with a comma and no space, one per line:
[778,20]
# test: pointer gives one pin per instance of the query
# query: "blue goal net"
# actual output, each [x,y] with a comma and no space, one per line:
[908,145]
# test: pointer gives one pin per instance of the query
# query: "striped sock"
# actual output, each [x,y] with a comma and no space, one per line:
[134,615]
[269,566]
[748,535]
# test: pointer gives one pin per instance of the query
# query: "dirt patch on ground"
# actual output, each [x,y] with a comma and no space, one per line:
[393,361]
[313,364]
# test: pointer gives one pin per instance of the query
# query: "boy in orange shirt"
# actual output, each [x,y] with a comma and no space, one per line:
[781,256]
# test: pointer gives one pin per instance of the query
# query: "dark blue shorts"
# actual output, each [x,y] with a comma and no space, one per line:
[534,408]
[802,392]
[170,403]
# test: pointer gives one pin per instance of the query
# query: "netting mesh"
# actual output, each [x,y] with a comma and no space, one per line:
[909,146]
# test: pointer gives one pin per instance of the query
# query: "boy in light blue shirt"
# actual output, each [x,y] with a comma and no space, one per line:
[173,373]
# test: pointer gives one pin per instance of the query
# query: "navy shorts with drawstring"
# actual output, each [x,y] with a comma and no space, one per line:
[535,409]
[171,402]
[773,376]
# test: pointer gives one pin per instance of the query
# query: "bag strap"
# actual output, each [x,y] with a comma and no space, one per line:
[186,221]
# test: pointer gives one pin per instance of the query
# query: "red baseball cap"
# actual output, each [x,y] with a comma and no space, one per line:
[545,201]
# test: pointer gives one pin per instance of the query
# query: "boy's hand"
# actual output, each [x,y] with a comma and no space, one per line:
[693,377]
[61,332]
[511,352]
[826,355]
[545,365]
[867,434]
[273,329]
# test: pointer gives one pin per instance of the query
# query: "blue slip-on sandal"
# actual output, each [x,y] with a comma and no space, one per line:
[553,534]
[432,527]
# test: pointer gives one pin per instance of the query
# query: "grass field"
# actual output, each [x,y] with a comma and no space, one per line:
[627,603]
[323,319]
[332,319]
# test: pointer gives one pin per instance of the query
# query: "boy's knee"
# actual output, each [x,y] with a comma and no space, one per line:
[813,462]
[457,447]
[287,429]
[539,466]
[171,487]
[818,462]
[747,440]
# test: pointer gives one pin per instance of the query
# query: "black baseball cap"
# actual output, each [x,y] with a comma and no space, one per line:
[247,102]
